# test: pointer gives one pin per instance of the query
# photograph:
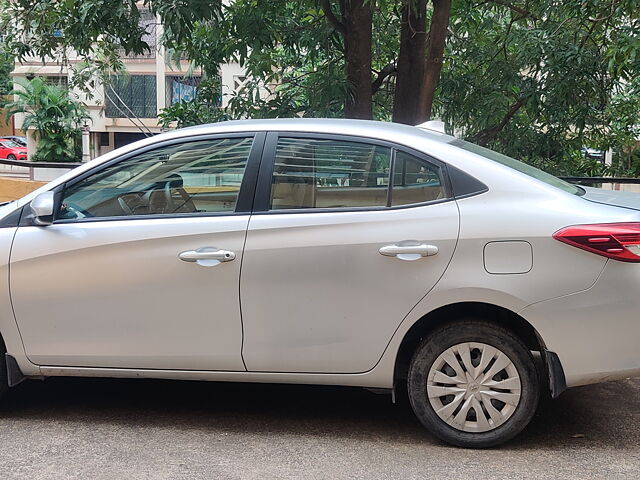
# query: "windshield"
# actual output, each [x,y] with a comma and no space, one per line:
[10,144]
[520,167]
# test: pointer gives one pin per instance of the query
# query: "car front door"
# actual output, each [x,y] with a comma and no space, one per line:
[140,267]
[334,258]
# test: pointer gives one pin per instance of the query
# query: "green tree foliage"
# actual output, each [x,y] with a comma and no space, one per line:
[6,66]
[294,61]
[53,115]
[537,83]
[204,109]
[96,29]
[534,80]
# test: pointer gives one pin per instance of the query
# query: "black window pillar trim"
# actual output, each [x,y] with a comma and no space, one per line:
[262,201]
[246,195]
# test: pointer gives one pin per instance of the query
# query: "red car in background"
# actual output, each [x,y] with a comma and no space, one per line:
[12,151]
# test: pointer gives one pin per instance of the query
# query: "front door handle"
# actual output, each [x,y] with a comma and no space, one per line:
[207,256]
[409,252]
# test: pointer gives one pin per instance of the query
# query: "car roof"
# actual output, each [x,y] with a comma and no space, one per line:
[365,128]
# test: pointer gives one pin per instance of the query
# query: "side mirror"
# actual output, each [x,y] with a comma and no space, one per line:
[42,208]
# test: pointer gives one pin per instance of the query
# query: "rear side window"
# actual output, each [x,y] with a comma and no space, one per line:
[310,173]
[415,181]
[328,173]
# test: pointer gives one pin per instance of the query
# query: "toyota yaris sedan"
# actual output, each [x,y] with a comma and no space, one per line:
[326,252]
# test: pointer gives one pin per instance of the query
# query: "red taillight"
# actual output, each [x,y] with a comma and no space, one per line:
[620,241]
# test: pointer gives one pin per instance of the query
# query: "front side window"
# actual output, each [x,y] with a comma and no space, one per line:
[193,177]
[319,173]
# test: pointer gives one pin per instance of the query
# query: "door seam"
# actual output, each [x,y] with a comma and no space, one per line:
[244,246]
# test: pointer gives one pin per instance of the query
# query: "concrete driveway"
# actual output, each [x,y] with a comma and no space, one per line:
[128,429]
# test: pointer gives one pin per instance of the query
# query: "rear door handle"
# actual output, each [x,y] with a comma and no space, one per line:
[207,256]
[409,252]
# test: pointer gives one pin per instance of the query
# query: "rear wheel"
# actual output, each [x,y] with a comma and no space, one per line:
[473,384]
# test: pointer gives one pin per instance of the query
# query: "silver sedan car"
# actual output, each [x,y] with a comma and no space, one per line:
[326,252]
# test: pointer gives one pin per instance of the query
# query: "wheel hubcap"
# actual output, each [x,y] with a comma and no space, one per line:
[473,387]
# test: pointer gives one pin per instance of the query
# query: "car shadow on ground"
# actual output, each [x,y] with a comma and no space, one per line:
[601,414]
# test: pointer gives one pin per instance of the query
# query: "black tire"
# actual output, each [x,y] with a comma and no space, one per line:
[11,156]
[473,330]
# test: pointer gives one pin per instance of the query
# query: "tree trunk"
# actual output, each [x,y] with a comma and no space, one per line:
[357,57]
[355,26]
[437,41]
[411,62]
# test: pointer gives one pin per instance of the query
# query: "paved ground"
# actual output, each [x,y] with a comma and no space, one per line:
[128,429]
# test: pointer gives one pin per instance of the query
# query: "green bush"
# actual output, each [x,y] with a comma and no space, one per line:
[54,116]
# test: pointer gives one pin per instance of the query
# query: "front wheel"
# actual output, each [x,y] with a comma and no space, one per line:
[473,384]
[11,156]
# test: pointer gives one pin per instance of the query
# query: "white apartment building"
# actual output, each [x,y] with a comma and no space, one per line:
[127,110]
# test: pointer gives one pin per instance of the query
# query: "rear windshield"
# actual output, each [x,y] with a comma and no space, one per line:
[519,166]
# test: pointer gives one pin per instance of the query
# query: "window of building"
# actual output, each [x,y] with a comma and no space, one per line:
[61,81]
[181,89]
[192,177]
[149,23]
[238,82]
[131,96]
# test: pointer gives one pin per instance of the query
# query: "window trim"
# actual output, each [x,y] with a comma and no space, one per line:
[392,175]
[262,203]
[244,203]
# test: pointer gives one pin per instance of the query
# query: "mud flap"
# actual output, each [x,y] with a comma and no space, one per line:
[557,380]
[14,374]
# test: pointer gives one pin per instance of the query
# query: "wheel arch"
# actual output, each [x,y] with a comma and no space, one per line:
[492,313]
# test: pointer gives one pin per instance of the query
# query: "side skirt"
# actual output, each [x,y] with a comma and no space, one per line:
[368,379]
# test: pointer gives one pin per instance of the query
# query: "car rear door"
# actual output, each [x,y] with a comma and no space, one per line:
[141,266]
[334,259]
